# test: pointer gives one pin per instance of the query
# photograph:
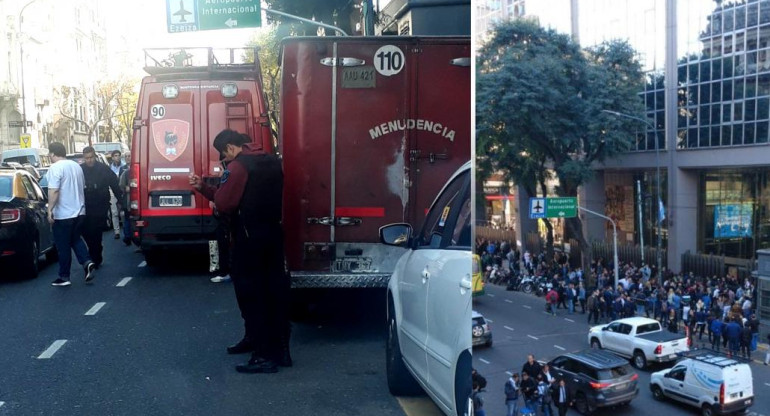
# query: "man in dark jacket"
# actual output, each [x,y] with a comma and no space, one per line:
[733,332]
[250,192]
[561,397]
[99,179]
[529,390]
[532,367]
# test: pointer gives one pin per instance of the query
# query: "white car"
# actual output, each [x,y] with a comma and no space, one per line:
[710,381]
[429,302]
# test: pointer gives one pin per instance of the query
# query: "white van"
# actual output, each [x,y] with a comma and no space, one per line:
[714,382]
[37,157]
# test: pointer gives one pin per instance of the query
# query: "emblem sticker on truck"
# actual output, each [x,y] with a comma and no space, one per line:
[171,137]
[389,60]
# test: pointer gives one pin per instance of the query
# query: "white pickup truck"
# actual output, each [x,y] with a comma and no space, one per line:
[641,339]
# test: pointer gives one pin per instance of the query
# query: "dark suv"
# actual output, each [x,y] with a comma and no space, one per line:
[596,379]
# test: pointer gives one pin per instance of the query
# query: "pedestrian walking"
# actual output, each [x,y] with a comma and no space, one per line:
[733,336]
[478,401]
[66,213]
[581,295]
[99,181]
[123,183]
[551,298]
[529,390]
[117,166]
[767,353]
[562,397]
[716,331]
[544,396]
[532,367]
[746,342]
[593,307]
[250,191]
[512,387]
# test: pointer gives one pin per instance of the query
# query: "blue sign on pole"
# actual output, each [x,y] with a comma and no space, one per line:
[536,208]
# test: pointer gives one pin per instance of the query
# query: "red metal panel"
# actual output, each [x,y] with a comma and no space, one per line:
[376,212]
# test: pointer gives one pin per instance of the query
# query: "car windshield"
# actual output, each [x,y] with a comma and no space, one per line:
[478,321]
[6,192]
[612,373]
[646,328]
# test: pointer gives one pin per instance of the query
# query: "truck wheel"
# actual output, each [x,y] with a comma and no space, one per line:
[706,410]
[657,392]
[400,380]
[595,344]
[581,404]
[639,361]
[464,385]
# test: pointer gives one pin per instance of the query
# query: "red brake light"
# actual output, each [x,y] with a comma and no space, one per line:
[722,394]
[659,349]
[634,377]
[598,386]
[10,215]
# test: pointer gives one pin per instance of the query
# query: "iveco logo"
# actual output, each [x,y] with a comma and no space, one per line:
[160,177]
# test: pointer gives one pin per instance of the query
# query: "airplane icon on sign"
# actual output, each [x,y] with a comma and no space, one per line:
[537,208]
[182,12]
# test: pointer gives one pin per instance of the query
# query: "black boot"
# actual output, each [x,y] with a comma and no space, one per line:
[243,346]
[257,365]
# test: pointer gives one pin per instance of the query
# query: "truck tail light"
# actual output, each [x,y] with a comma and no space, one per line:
[599,386]
[10,215]
[659,349]
[134,186]
[635,377]
[722,394]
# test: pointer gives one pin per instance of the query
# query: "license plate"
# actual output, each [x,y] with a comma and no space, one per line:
[359,77]
[170,201]
[672,356]
[621,386]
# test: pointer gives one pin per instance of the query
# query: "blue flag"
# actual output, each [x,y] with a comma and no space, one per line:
[661,211]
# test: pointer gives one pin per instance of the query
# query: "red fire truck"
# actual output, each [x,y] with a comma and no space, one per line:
[189,97]
[371,128]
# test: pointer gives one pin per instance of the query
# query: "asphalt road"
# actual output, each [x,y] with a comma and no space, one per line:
[520,326]
[144,341]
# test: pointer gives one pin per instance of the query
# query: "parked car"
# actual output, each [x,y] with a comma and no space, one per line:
[641,339]
[596,379]
[428,294]
[708,380]
[482,332]
[25,233]
[37,157]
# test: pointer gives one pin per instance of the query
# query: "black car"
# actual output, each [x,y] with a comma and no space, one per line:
[596,379]
[25,233]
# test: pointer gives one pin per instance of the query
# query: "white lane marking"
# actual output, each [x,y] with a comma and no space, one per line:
[527,306]
[767,384]
[1,404]
[52,349]
[535,338]
[570,320]
[561,348]
[124,281]
[142,264]
[94,309]
[509,373]
[483,361]
[508,328]
[490,295]
[509,301]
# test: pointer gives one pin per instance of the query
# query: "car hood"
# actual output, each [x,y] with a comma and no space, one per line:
[597,328]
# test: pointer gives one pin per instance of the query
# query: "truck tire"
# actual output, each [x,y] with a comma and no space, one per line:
[657,392]
[595,344]
[400,380]
[706,410]
[639,360]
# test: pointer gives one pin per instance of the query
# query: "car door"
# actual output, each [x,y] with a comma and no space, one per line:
[421,264]
[36,206]
[673,383]
[449,272]
[610,336]
[44,228]
[623,339]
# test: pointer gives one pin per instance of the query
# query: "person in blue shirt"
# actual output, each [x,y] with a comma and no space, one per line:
[734,336]
[716,331]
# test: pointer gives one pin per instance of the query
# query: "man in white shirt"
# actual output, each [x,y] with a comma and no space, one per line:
[66,213]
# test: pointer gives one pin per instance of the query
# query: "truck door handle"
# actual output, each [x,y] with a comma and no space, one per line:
[425,273]
[465,284]
[465,61]
[338,221]
[576,380]
[347,62]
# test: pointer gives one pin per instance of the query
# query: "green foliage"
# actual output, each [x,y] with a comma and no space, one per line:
[540,100]
[268,43]
[340,13]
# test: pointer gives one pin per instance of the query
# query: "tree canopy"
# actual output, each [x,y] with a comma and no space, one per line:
[539,107]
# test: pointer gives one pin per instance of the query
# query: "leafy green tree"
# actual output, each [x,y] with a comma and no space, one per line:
[341,13]
[539,108]
[268,43]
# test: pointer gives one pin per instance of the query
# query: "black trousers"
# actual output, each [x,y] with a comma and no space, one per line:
[261,287]
[562,408]
[93,228]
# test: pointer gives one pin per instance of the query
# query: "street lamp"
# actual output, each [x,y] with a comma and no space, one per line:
[657,179]
[21,60]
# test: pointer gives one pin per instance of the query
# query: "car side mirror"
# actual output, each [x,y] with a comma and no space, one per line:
[605,328]
[397,234]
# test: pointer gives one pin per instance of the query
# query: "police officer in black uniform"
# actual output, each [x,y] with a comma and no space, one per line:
[99,179]
[250,192]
